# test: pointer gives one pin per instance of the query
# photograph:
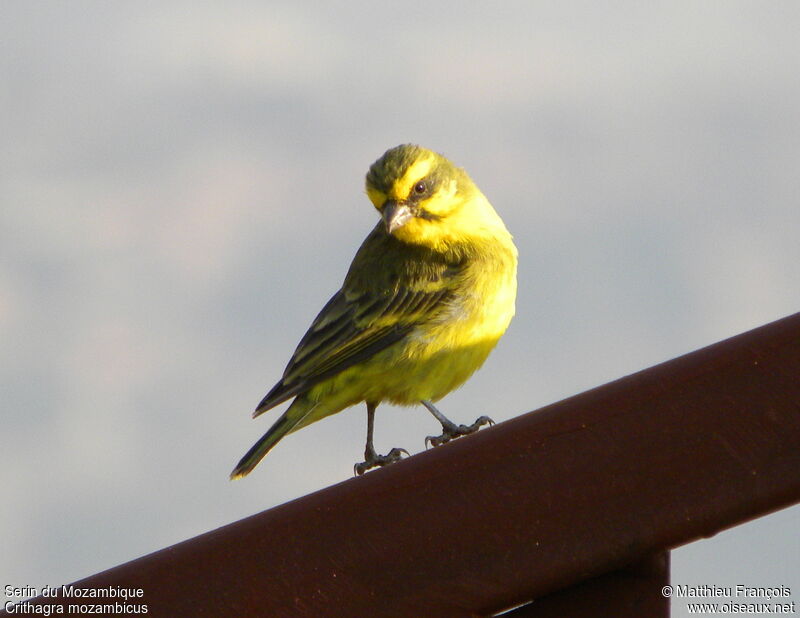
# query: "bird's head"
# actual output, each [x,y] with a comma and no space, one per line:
[424,199]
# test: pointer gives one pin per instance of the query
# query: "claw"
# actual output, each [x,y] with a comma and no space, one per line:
[374,461]
[453,431]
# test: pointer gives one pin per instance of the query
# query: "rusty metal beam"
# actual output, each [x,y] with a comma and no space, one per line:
[631,592]
[533,505]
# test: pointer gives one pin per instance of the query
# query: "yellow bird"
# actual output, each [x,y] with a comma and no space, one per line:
[428,295]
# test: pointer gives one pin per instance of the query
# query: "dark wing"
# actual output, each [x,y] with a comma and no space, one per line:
[390,289]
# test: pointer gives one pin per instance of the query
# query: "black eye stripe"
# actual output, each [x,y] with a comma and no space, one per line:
[429,216]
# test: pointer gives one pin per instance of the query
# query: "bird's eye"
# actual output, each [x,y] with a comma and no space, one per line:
[420,187]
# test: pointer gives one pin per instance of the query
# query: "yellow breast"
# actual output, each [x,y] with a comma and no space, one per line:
[443,354]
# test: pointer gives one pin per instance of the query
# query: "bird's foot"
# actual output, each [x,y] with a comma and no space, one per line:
[373,460]
[453,431]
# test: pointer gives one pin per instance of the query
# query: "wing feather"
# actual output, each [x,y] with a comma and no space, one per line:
[369,314]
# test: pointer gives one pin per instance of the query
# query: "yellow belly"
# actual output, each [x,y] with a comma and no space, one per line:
[433,360]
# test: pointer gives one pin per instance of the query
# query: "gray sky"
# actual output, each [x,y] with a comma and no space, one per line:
[181,189]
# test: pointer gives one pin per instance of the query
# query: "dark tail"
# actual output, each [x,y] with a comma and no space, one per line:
[281,427]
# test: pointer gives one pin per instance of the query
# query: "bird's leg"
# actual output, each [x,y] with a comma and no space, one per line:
[450,430]
[371,458]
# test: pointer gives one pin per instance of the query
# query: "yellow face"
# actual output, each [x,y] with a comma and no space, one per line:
[418,193]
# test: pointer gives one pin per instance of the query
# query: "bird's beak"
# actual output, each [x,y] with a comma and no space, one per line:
[395,215]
